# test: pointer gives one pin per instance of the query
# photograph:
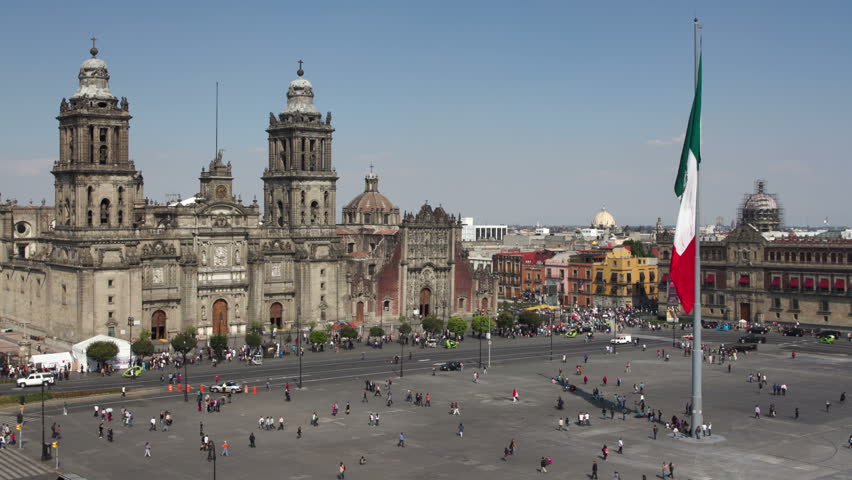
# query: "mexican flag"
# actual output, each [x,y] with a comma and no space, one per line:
[686,187]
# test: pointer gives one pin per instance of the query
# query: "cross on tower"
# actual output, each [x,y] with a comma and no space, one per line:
[371,168]
[300,64]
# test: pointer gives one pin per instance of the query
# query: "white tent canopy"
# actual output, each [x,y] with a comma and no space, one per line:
[122,360]
[51,360]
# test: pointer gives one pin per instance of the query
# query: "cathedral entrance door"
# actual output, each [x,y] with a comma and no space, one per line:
[276,314]
[425,301]
[359,312]
[220,317]
[745,311]
[158,325]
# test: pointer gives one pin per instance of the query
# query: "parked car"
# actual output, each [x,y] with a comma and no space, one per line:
[723,327]
[227,387]
[451,367]
[794,332]
[706,324]
[759,330]
[744,347]
[752,338]
[35,380]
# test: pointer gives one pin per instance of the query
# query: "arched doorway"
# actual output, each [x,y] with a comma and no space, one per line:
[359,312]
[158,325]
[484,304]
[425,301]
[220,317]
[276,313]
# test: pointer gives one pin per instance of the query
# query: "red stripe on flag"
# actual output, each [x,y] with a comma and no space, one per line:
[683,275]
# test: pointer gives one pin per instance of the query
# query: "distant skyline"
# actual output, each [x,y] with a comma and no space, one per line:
[508,112]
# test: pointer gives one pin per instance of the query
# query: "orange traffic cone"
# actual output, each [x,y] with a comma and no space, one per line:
[180,387]
[201,387]
[253,390]
[171,388]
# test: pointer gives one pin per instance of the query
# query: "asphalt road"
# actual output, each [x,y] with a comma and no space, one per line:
[328,365]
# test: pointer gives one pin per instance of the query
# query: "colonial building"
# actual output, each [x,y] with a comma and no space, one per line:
[758,277]
[105,258]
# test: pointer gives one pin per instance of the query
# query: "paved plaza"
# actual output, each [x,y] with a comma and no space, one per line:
[812,447]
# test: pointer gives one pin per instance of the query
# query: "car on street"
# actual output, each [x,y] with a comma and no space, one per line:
[794,332]
[227,387]
[571,333]
[707,324]
[450,343]
[827,339]
[759,330]
[723,327]
[451,367]
[830,333]
[621,339]
[744,347]
[432,343]
[35,380]
[752,338]
[688,336]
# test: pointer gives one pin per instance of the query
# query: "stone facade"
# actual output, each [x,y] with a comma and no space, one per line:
[747,276]
[105,257]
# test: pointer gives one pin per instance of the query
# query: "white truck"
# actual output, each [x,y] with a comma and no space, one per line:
[621,339]
[35,380]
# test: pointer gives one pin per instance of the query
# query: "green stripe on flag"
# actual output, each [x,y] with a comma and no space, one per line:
[692,141]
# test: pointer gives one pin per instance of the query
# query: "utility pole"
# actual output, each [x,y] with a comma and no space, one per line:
[45,448]
[299,341]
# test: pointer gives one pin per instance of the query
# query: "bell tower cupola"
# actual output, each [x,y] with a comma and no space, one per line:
[96,184]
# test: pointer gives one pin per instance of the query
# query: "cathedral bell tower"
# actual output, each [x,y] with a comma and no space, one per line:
[299,185]
[96,184]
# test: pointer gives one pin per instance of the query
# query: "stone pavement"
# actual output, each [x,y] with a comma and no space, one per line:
[814,447]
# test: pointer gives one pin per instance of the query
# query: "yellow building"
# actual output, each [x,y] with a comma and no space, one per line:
[622,279]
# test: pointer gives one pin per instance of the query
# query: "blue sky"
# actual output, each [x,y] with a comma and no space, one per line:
[511,112]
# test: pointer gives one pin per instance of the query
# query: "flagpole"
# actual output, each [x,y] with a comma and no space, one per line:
[697,352]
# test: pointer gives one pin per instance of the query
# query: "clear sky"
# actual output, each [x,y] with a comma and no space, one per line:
[510,112]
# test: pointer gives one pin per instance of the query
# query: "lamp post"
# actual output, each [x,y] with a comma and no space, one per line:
[299,342]
[130,322]
[45,448]
[550,313]
[480,349]
[401,356]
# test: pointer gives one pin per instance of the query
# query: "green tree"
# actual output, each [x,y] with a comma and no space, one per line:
[348,332]
[253,339]
[142,348]
[183,343]
[376,331]
[102,352]
[482,324]
[256,327]
[433,324]
[637,248]
[505,320]
[318,337]
[457,325]
[219,342]
[530,319]
[404,328]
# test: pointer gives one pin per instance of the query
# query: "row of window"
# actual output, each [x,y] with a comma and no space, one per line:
[808,257]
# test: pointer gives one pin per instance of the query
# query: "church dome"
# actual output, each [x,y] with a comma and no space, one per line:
[300,95]
[370,206]
[603,219]
[94,79]
[761,210]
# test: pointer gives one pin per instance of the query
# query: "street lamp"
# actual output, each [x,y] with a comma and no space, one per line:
[480,346]
[45,448]
[299,342]
[130,322]
[551,334]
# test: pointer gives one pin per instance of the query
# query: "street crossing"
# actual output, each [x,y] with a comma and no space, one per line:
[14,465]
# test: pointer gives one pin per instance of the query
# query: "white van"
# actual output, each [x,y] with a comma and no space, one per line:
[620,339]
[36,379]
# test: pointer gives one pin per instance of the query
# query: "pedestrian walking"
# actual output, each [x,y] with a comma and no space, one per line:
[372,420]
[757,412]
[153,423]
[225,451]
[543,464]
[620,446]
[594,470]
[377,419]
[671,470]
[827,406]
[655,429]
[796,414]
[65,408]
[461,430]
[299,433]
[101,430]
[561,424]
[147,450]
[251,440]
[401,442]
[123,391]
[514,395]
[341,470]
[604,452]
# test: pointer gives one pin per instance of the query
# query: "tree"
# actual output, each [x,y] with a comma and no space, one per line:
[376,332]
[219,342]
[142,348]
[637,248]
[433,324]
[404,328]
[530,318]
[256,327]
[457,325]
[183,343]
[318,337]
[482,324]
[102,351]
[348,332]
[253,340]
[505,320]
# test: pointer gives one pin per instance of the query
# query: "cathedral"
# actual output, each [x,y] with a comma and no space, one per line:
[104,259]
